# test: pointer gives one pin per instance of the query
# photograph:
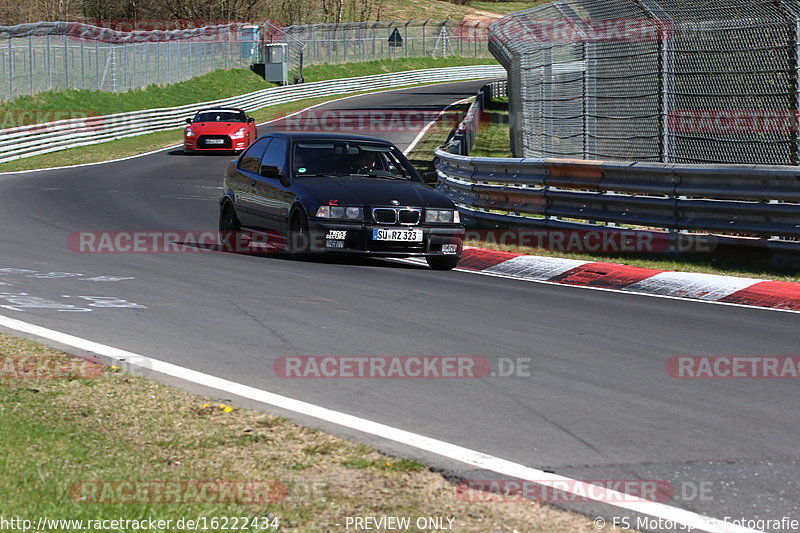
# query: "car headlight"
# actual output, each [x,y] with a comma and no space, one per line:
[189,132]
[240,133]
[336,211]
[442,216]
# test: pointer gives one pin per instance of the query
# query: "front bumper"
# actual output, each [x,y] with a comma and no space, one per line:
[191,144]
[343,237]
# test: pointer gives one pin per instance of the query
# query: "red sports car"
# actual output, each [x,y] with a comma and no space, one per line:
[219,128]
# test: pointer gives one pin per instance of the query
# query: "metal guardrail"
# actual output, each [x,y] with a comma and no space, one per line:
[735,201]
[38,139]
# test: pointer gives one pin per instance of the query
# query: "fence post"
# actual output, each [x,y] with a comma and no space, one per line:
[97,65]
[10,70]
[658,16]
[794,86]
[31,58]
[83,65]
[405,35]
[47,62]
[66,63]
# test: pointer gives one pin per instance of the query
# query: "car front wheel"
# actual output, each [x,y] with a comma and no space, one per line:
[230,229]
[297,241]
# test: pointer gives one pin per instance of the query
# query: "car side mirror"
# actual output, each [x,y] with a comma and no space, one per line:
[270,171]
[430,178]
[251,119]
[188,121]
[273,172]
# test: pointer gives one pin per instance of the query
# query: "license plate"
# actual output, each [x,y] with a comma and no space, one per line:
[404,235]
[215,141]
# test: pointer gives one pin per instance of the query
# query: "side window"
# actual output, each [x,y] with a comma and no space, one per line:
[275,155]
[252,157]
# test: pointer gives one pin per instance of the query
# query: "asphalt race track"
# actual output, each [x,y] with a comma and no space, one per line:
[598,404]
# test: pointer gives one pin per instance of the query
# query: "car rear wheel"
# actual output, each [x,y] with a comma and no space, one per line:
[442,262]
[297,241]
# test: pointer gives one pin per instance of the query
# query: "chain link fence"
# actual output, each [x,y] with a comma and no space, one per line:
[684,81]
[313,44]
[71,55]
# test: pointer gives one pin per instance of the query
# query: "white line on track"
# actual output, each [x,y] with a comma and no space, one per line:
[443,449]
[428,126]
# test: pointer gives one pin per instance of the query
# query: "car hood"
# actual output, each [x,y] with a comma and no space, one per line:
[357,191]
[216,128]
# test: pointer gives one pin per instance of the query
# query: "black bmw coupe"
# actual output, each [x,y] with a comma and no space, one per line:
[342,194]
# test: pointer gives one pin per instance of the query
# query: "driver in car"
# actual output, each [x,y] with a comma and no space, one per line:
[364,163]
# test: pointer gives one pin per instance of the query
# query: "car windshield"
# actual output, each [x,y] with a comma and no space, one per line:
[220,116]
[348,158]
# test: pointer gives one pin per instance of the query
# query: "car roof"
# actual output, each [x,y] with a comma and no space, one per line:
[307,135]
[212,109]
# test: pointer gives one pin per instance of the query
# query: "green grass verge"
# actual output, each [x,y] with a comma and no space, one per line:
[494,138]
[213,86]
[67,440]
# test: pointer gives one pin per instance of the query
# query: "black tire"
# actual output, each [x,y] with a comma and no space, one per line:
[297,240]
[443,262]
[230,229]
